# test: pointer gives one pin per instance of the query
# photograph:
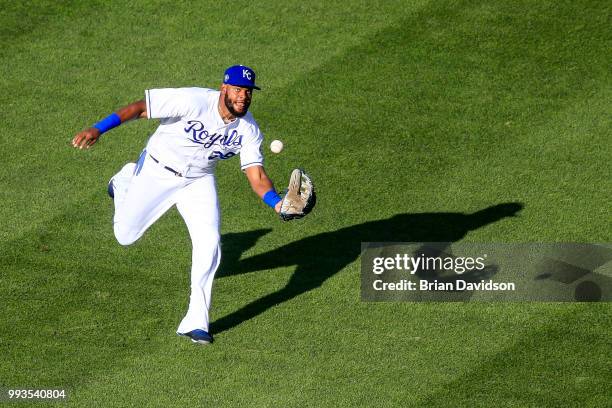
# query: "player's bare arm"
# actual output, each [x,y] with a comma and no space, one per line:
[88,137]
[260,183]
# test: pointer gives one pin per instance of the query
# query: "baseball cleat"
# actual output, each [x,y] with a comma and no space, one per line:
[199,336]
[111,189]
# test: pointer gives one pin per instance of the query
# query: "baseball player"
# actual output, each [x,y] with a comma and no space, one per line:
[198,128]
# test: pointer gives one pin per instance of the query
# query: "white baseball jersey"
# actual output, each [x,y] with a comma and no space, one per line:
[192,136]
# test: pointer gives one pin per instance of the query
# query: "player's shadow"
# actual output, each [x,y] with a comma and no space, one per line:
[320,256]
[234,244]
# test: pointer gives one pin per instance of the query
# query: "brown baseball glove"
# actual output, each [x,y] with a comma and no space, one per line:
[300,198]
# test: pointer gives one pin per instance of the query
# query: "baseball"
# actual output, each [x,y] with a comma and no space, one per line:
[276,146]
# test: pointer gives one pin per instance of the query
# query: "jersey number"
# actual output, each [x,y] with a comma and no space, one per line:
[219,155]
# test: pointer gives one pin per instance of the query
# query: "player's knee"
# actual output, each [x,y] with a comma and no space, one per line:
[125,236]
[214,236]
[207,237]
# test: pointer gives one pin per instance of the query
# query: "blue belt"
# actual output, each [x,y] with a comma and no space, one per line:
[170,169]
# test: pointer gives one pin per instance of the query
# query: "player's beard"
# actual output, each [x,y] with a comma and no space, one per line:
[230,107]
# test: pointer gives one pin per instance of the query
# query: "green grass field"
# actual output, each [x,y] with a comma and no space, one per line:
[424,109]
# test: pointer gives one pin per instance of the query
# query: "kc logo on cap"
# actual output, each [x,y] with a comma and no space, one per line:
[240,75]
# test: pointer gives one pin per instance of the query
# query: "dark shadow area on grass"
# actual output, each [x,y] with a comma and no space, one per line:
[321,256]
[234,244]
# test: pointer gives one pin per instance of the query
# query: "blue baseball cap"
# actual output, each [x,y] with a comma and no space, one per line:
[240,75]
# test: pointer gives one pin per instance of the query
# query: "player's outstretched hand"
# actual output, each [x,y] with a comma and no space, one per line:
[86,138]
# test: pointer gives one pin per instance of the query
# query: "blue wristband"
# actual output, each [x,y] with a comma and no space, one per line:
[271,198]
[111,121]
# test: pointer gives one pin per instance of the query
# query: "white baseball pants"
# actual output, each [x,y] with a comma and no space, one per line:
[144,192]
